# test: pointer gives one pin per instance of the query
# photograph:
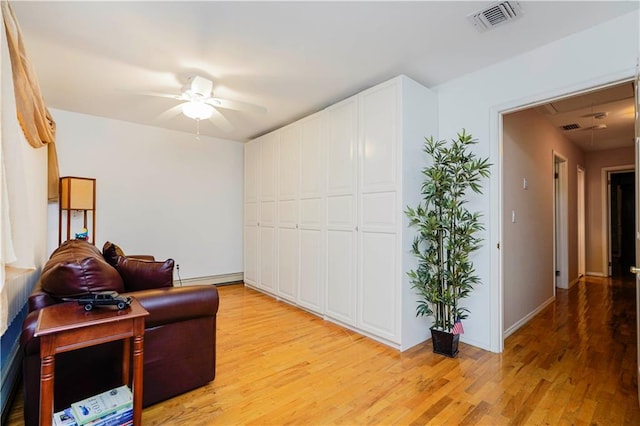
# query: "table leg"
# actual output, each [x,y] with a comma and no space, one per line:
[138,357]
[47,370]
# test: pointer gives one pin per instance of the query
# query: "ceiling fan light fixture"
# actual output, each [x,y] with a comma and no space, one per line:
[197,110]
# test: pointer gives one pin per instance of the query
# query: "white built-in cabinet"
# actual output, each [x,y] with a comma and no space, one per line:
[324,210]
[251,206]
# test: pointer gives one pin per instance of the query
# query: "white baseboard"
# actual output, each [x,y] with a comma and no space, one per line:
[508,332]
[595,274]
[210,280]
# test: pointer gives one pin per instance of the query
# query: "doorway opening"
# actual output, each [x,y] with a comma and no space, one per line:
[622,213]
[563,221]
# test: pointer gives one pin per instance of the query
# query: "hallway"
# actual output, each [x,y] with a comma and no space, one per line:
[583,347]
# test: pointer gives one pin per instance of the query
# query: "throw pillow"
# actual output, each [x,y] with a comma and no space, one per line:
[111,252]
[76,268]
[139,274]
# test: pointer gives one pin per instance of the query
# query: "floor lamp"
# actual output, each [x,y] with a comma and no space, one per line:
[77,194]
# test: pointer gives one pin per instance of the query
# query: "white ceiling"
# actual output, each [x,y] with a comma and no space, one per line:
[293,58]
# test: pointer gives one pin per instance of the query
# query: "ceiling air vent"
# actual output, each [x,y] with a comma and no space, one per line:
[495,14]
[571,126]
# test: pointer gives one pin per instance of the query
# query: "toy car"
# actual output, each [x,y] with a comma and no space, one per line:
[104,298]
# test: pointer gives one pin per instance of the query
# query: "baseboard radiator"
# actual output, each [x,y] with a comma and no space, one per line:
[17,289]
[222,279]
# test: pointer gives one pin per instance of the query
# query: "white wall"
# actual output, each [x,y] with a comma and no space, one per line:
[474,102]
[158,191]
[529,144]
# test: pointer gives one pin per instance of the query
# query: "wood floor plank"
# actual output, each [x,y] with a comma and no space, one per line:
[573,364]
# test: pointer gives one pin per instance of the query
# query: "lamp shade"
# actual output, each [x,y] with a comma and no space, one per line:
[197,110]
[77,193]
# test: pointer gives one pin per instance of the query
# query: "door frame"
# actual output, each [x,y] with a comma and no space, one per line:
[496,199]
[560,223]
[581,179]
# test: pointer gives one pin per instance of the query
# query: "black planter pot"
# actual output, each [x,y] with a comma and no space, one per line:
[445,343]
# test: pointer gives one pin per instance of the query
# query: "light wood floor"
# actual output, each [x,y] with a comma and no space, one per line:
[574,364]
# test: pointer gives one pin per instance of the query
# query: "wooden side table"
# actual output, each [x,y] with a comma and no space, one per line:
[66,327]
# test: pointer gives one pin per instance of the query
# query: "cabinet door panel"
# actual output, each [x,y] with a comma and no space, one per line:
[341,211]
[341,275]
[251,213]
[288,263]
[288,211]
[251,171]
[268,166]
[379,211]
[251,254]
[311,158]
[268,213]
[378,289]
[267,258]
[341,140]
[310,283]
[311,213]
[378,136]
[288,163]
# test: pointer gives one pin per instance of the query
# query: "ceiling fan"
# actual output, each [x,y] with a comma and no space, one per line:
[199,103]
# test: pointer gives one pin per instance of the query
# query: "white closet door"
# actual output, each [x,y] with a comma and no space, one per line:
[268,212]
[379,249]
[288,183]
[251,204]
[310,281]
[341,208]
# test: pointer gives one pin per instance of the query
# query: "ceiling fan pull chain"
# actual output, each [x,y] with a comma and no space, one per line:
[197,129]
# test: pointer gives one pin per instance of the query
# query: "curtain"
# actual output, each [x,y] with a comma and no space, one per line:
[35,120]
[17,172]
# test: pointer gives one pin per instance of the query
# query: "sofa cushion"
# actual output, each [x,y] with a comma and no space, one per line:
[111,251]
[139,274]
[77,267]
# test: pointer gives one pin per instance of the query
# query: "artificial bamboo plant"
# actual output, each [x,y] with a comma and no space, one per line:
[447,230]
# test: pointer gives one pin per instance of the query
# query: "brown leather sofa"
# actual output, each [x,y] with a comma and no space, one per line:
[180,331]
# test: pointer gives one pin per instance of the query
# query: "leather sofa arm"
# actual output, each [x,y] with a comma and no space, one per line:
[174,304]
[165,306]
[29,344]
[39,298]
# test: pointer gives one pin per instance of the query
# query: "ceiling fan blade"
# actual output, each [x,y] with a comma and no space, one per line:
[170,113]
[220,121]
[236,105]
[161,95]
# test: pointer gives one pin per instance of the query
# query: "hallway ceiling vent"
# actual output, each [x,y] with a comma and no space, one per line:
[495,14]
[571,126]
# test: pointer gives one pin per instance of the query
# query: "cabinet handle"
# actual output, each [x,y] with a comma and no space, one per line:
[296,226]
[356,228]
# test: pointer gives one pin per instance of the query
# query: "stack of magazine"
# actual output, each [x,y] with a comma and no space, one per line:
[111,408]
